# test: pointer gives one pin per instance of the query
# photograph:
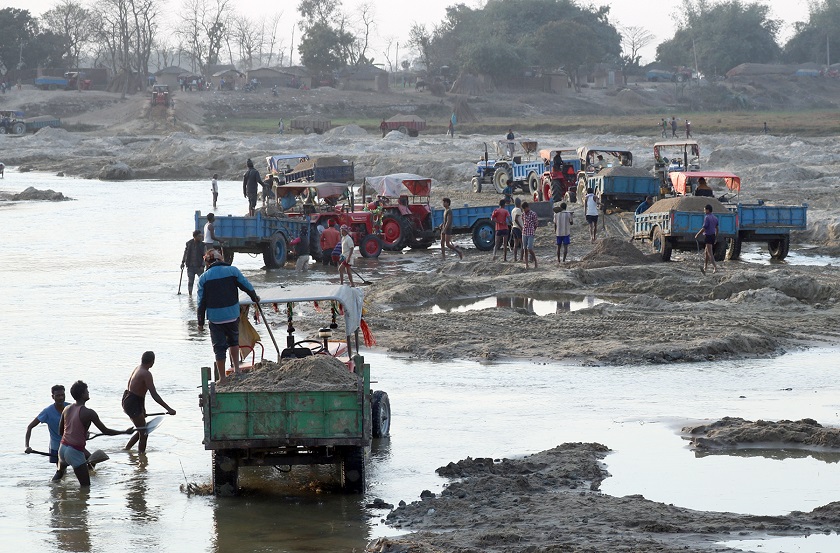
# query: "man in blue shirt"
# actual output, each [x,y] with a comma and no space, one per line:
[645,205]
[218,300]
[50,415]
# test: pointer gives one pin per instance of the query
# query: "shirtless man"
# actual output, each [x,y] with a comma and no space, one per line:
[140,382]
[73,427]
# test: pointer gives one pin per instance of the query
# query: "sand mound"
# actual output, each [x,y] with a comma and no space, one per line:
[318,373]
[687,203]
[617,251]
[731,432]
[347,130]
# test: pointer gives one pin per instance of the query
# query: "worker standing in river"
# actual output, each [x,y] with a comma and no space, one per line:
[133,401]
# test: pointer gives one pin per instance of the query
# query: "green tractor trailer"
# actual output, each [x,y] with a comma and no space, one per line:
[283,424]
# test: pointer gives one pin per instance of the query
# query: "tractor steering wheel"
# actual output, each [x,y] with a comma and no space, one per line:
[315,351]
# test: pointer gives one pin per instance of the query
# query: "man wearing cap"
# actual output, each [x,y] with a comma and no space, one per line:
[249,186]
[218,299]
[347,246]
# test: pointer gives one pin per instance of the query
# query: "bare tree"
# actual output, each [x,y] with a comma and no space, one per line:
[144,17]
[270,40]
[72,21]
[366,24]
[203,29]
[248,36]
[633,39]
[389,43]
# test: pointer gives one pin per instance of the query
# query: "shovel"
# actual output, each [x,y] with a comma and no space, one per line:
[150,426]
[364,282]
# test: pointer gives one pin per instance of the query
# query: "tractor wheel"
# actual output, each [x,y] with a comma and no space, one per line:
[680,78]
[733,248]
[500,178]
[534,186]
[19,127]
[380,414]
[719,250]
[395,232]
[779,248]
[3,129]
[308,130]
[353,470]
[475,182]
[420,243]
[484,235]
[371,246]
[403,129]
[225,473]
[275,252]
[661,245]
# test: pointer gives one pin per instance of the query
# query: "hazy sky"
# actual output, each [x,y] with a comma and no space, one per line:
[395,17]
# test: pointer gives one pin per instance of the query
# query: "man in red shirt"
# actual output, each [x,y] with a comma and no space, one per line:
[329,238]
[501,217]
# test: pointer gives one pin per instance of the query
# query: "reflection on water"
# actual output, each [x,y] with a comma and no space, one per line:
[780,454]
[562,304]
[69,518]
[814,543]
[758,253]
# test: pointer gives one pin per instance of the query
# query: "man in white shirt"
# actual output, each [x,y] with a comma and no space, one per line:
[563,221]
[592,206]
[344,263]
[516,229]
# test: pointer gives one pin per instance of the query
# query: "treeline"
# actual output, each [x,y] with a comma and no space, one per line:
[502,40]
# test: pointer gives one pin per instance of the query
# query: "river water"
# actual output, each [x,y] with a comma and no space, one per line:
[89,285]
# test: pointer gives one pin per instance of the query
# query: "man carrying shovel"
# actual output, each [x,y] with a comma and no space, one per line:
[133,401]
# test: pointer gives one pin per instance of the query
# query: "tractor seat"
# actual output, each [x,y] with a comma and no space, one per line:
[295,353]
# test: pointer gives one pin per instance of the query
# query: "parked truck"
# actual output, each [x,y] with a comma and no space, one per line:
[672,223]
[282,426]
[757,222]
[623,187]
[509,168]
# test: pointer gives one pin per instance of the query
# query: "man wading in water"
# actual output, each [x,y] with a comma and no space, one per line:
[134,398]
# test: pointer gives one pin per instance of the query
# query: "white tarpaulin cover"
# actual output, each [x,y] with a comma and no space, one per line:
[393,186]
[352,299]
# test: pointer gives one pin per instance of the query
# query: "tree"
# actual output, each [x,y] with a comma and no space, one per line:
[318,12]
[421,39]
[811,38]
[73,22]
[203,29]
[633,39]
[20,41]
[721,36]
[574,51]
[323,49]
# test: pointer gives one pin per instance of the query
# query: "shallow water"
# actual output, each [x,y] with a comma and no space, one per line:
[90,284]
[562,303]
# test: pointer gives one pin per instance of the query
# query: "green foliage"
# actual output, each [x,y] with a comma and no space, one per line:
[21,40]
[323,49]
[506,36]
[722,35]
[808,44]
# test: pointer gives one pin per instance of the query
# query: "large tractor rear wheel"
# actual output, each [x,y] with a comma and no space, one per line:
[779,248]
[3,129]
[500,178]
[225,473]
[476,185]
[395,232]
[661,245]
[380,407]
[484,235]
[275,252]
[719,250]
[19,127]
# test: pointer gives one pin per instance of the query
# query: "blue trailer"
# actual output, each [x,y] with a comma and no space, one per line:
[757,222]
[269,236]
[673,223]
[51,83]
[322,169]
[507,166]
[624,187]
[770,224]
[476,221]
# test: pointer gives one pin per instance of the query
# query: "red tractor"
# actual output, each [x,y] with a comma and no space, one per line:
[560,178]
[402,208]
[161,96]
[330,201]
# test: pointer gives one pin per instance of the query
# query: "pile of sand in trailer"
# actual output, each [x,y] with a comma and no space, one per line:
[687,203]
[622,171]
[317,373]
